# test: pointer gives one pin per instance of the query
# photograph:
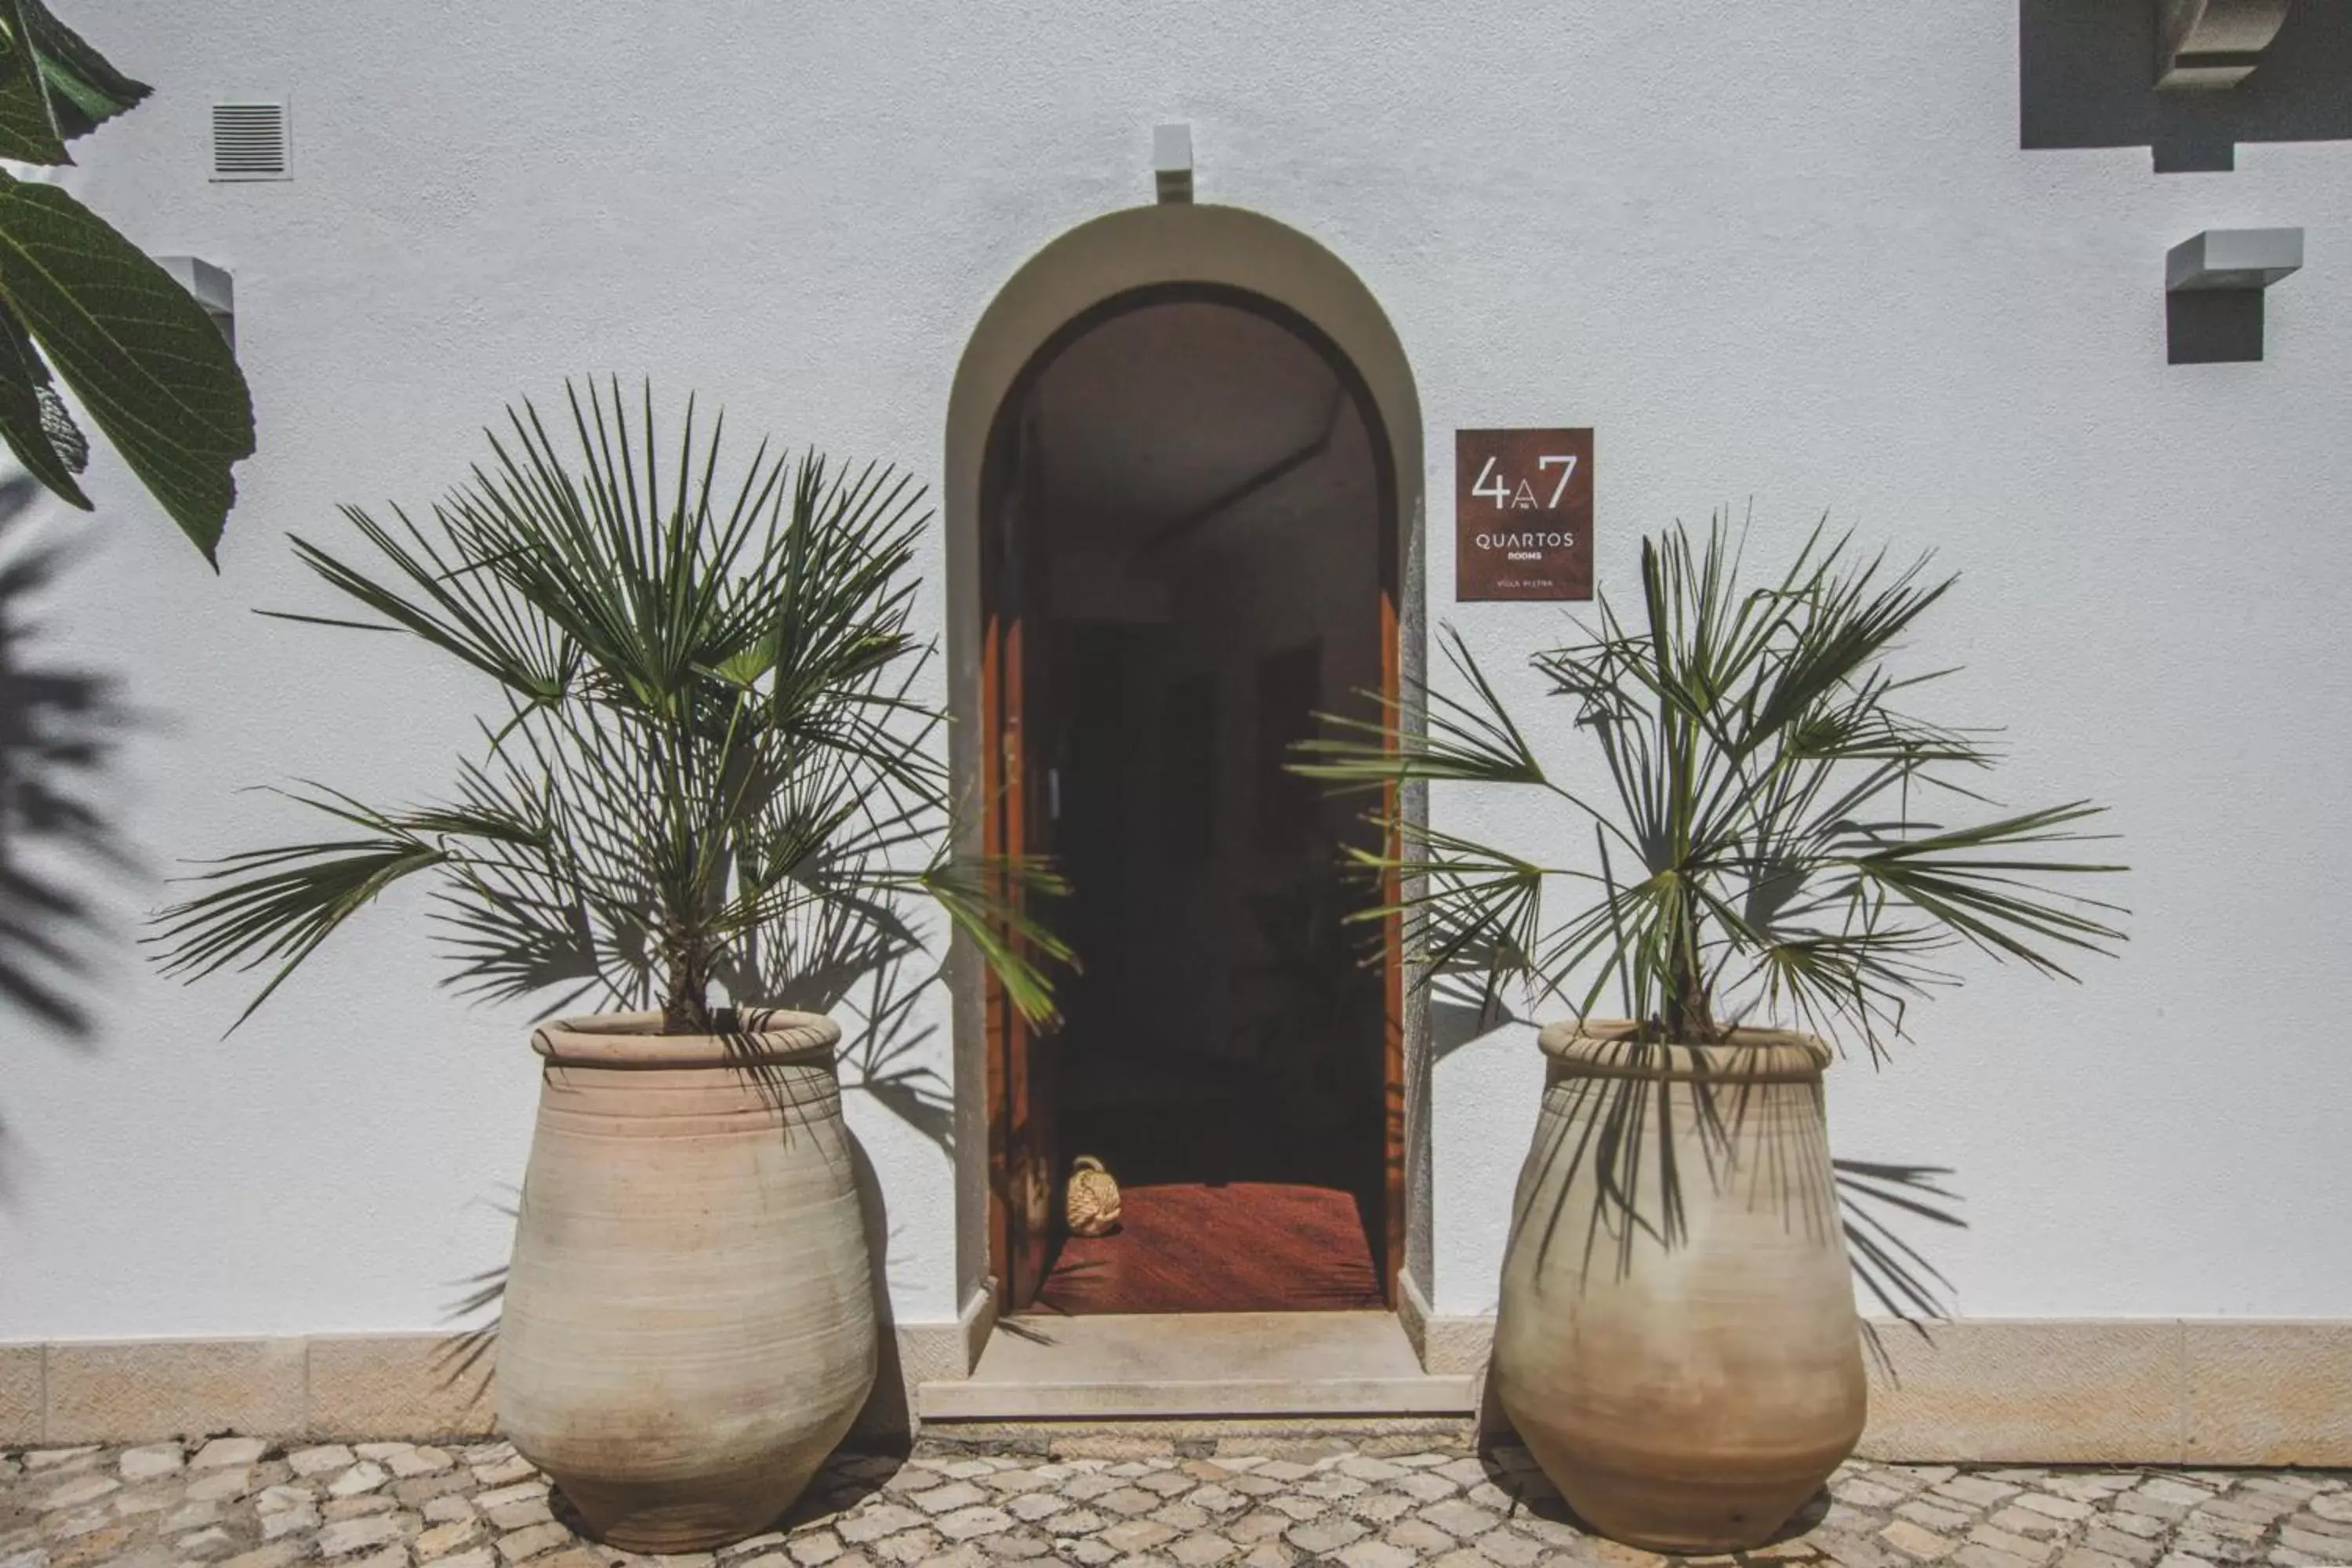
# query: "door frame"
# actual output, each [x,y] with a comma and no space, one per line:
[1198,251]
[1004,804]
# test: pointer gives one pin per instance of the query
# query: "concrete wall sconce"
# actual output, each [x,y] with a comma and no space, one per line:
[2213,45]
[1172,161]
[2213,285]
[212,286]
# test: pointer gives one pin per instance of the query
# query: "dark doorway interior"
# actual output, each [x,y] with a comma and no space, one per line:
[1206,506]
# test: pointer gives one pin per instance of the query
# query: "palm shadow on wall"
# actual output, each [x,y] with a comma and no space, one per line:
[60,727]
[2086,79]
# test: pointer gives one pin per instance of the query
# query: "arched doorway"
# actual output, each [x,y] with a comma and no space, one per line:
[1178,528]
[1185,528]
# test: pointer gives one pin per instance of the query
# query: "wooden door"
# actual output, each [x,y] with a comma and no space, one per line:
[1015,686]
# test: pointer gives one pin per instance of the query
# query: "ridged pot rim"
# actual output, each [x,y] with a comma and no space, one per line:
[1604,1047]
[770,1034]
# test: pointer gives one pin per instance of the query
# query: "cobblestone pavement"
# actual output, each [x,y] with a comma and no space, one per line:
[245,1502]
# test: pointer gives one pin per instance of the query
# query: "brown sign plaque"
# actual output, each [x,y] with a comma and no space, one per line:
[1523,514]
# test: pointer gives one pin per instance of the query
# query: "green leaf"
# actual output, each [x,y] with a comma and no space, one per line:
[276,905]
[64,434]
[28,130]
[84,90]
[1471,742]
[715,763]
[979,898]
[148,364]
[23,378]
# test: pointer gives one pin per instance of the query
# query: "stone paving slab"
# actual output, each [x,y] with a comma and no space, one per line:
[1236,1503]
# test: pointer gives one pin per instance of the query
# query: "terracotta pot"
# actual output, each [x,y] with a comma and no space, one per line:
[689,1324]
[1686,1397]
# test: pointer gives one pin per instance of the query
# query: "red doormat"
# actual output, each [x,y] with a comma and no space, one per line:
[1237,1247]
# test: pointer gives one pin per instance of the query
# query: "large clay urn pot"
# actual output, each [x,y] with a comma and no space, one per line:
[1688,1395]
[689,1324]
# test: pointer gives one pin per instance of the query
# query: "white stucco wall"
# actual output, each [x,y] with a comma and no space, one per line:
[1788,253]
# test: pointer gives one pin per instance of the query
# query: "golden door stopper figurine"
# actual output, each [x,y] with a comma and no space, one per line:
[1091,1203]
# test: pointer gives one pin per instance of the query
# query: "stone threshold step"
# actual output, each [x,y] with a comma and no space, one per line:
[971,1400]
[1196,1364]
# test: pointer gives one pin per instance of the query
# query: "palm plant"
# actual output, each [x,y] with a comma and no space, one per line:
[1777,842]
[711,763]
[1776,846]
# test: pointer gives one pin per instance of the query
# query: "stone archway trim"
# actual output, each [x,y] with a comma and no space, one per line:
[1117,254]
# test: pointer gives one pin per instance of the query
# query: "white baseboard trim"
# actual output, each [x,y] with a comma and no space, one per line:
[1412,1314]
[941,1353]
[2194,1390]
[978,1321]
[374,1385]
[1447,1345]
[2179,1391]
[2198,1391]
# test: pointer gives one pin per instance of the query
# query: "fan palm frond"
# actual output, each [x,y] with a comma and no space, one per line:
[712,758]
[1768,844]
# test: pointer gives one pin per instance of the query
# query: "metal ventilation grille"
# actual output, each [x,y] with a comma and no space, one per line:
[249,142]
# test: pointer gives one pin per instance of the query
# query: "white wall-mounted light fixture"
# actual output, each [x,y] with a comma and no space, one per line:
[2209,45]
[1172,161]
[2213,285]
[2233,259]
[214,289]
